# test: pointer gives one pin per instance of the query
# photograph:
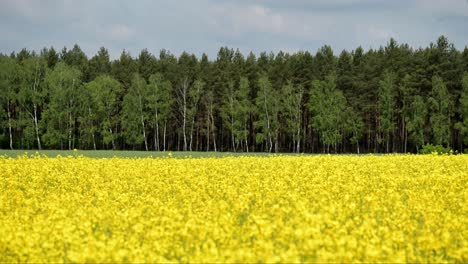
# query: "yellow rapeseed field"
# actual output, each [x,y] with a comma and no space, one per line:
[392,208]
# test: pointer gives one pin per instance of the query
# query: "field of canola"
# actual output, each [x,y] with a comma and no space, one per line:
[395,208]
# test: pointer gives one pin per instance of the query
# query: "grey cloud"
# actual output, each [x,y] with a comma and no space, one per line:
[204,26]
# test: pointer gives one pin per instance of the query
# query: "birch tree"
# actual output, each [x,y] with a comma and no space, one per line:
[292,101]
[159,102]
[31,95]
[439,103]
[244,107]
[417,121]
[230,113]
[386,104]
[194,98]
[9,71]
[105,91]
[462,125]
[135,114]
[59,118]
[327,105]
[182,101]
[267,103]
[208,101]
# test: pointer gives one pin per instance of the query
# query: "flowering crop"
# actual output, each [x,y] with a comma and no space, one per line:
[395,208]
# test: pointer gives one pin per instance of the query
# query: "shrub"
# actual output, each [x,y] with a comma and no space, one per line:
[429,149]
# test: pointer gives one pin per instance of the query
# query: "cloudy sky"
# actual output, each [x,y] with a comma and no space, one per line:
[205,25]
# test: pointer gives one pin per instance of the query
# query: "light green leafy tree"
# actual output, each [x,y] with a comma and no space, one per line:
[268,106]
[59,118]
[104,92]
[439,103]
[9,76]
[462,125]
[387,93]
[292,102]
[160,103]
[327,105]
[417,121]
[135,115]
[32,94]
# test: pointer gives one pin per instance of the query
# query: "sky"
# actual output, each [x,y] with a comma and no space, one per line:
[203,26]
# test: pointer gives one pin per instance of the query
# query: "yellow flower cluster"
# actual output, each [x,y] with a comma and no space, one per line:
[395,208]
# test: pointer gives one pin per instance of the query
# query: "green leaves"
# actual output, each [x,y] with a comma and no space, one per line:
[327,105]
[440,116]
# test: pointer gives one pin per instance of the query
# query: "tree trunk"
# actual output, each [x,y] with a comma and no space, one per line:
[268,122]
[164,137]
[92,134]
[191,134]
[37,127]
[94,142]
[112,136]
[144,132]
[405,136]
[214,135]
[208,125]
[35,109]
[143,122]
[156,134]
[298,139]
[69,130]
[246,137]
[184,111]
[9,124]
[387,142]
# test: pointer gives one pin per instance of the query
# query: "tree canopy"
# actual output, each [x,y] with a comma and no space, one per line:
[390,99]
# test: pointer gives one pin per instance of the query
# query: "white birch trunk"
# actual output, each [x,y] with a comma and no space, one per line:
[9,124]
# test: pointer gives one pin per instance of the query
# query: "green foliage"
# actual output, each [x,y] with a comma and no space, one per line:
[430,149]
[439,103]
[268,106]
[135,115]
[291,103]
[417,121]
[327,105]
[387,93]
[101,108]
[462,125]
[389,99]
[59,117]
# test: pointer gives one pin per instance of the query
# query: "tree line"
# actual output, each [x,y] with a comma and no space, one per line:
[391,99]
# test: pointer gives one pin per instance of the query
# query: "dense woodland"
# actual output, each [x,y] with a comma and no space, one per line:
[392,99]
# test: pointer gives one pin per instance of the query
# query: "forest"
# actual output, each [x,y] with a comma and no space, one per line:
[394,99]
